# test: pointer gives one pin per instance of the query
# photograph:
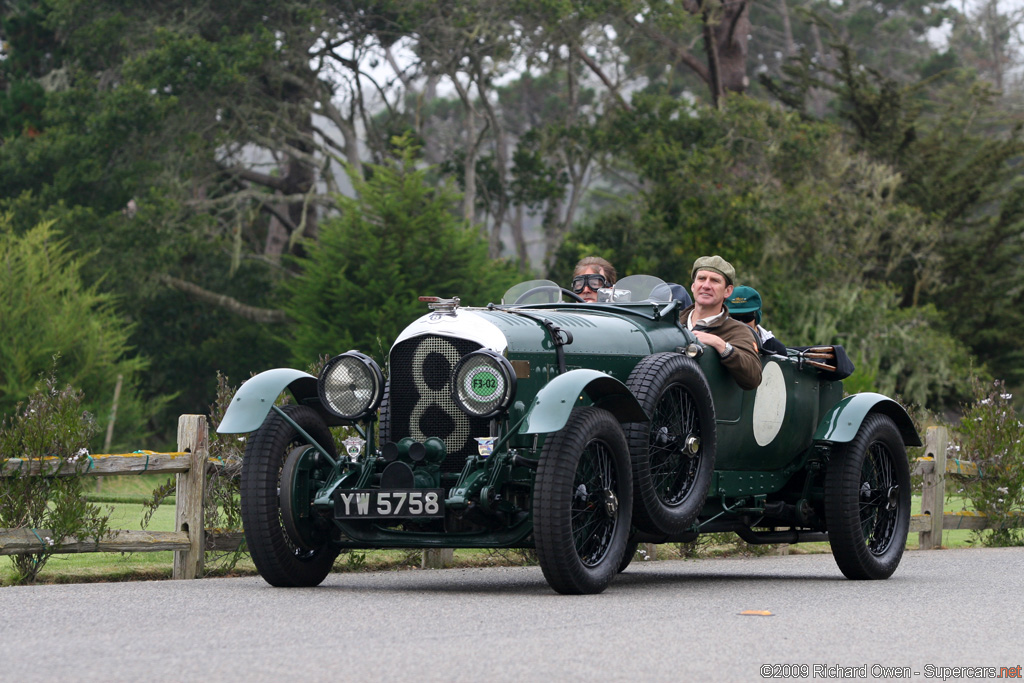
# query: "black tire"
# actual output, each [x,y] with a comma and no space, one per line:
[280,559]
[384,421]
[627,557]
[582,502]
[670,483]
[867,500]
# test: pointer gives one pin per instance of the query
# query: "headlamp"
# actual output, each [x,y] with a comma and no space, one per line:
[351,385]
[483,383]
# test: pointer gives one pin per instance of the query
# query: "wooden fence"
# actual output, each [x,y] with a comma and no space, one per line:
[935,466]
[191,538]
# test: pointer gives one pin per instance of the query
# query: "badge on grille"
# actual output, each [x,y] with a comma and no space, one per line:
[485,445]
[353,446]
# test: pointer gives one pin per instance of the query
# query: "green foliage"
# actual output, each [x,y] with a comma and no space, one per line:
[815,226]
[991,435]
[190,140]
[901,351]
[51,427]
[956,157]
[398,240]
[47,312]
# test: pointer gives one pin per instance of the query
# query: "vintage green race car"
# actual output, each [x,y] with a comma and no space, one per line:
[580,430]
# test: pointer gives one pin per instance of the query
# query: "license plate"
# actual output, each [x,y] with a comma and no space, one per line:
[388,503]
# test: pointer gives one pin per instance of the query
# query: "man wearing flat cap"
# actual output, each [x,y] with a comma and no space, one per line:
[709,320]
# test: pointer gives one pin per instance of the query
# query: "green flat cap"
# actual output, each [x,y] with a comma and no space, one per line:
[745,300]
[717,264]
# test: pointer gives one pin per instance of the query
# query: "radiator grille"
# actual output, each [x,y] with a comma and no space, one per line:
[420,399]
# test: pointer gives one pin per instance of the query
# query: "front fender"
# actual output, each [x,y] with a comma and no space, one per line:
[551,408]
[253,400]
[841,423]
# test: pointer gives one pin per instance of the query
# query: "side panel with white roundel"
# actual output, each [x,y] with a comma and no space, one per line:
[767,428]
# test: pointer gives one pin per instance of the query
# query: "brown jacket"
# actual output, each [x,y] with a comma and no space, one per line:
[744,363]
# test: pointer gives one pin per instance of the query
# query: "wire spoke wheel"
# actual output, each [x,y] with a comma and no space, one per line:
[878,499]
[582,503]
[673,455]
[674,424]
[593,504]
[867,500]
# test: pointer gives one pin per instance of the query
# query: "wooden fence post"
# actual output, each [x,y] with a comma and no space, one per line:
[933,493]
[193,437]
[437,558]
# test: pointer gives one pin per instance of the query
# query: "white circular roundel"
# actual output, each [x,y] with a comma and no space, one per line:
[769,404]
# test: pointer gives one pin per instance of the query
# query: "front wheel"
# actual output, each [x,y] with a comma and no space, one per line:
[582,503]
[867,501]
[282,558]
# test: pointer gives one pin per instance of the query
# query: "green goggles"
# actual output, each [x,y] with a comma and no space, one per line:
[594,281]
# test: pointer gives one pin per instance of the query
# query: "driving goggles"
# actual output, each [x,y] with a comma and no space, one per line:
[594,281]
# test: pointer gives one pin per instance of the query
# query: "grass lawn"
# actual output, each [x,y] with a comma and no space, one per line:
[127,493]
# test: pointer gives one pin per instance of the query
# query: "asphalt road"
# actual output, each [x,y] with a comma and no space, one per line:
[659,621]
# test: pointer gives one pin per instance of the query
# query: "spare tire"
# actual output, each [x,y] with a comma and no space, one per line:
[673,455]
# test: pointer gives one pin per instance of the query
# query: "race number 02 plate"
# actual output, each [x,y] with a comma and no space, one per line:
[388,503]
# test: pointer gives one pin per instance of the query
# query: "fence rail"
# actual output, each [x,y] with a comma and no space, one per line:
[935,467]
[190,539]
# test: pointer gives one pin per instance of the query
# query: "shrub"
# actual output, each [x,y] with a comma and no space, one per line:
[990,435]
[52,425]
[400,238]
[46,310]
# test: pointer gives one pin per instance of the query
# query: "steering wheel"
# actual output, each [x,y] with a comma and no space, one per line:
[548,288]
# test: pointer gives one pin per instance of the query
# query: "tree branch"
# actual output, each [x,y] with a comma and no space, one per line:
[260,196]
[596,68]
[678,52]
[258,315]
[273,182]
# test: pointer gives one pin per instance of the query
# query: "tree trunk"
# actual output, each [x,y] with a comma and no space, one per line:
[276,243]
[518,237]
[789,47]
[731,26]
[469,170]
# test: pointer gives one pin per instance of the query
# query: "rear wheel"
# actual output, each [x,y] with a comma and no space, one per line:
[582,503]
[303,557]
[867,501]
[673,455]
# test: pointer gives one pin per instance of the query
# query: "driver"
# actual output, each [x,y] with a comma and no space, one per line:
[709,320]
[591,274]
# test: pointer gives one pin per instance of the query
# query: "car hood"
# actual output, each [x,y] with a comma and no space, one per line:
[525,330]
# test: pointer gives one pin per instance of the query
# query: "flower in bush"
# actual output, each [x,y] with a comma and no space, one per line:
[990,435]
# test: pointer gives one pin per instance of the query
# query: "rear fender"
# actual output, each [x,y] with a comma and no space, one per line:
[254,399]
[841,423]
[551,408]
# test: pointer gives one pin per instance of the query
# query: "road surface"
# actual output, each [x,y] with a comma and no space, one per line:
[659,621]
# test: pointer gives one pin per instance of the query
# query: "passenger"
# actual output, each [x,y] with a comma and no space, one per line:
[745,305]
[709,320]
[670,291]
[591,274]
